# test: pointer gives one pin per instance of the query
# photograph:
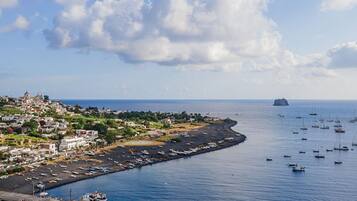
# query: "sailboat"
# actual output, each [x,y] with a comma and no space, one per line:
[340,147]
[303,128]
[354,142]
[318,156]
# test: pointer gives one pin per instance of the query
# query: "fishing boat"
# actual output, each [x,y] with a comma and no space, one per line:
[298,169]
[96,196]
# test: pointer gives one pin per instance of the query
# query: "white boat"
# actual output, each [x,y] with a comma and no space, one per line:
[298,169]
[96,196]
[324,127]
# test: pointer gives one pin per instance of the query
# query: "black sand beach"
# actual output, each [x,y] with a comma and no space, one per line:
[206,139]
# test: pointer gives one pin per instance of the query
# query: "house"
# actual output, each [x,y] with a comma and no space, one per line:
[48,149]
[72,143]
[89,135]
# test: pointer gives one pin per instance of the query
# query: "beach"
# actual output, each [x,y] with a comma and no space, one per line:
[206,139]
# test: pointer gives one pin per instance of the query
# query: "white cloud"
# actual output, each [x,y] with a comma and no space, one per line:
[201,34]
[338,5]
[8,3]
[341,56]
[21,23]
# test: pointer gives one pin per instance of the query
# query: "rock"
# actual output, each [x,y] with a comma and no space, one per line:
[281,102]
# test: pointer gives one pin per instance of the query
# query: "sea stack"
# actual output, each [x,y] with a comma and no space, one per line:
[281,102]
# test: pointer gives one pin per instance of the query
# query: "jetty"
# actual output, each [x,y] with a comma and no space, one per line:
[9,196]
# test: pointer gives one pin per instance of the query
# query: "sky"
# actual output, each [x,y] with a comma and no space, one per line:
[179,49]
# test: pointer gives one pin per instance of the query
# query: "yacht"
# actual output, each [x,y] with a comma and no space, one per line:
[339,130]
[96,196]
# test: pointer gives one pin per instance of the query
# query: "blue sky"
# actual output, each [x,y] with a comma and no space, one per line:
[209,49]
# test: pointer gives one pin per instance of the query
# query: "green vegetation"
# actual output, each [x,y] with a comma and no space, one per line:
[10,110]
[169,138]
[20,140]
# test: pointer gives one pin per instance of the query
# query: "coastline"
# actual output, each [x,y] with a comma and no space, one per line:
[128,157]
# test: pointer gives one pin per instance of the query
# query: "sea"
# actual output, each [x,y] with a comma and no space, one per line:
[241,172]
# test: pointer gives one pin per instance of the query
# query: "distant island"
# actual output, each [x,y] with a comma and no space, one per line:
[281,102]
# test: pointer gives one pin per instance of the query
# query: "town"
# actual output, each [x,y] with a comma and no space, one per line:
[35,130]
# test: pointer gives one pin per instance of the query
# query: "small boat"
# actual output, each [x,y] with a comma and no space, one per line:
[354,144]
[303,139]
[319,156]
[315,151]
[287,156]
[43,194]
[269,159]
[338,162]
[292,165]
[303,128]
[329,150]
[96,196]
[315,126]
[298,117]
[313,114]
[302,152]
[339,130]
[324,127]
[298,169]
[295,132]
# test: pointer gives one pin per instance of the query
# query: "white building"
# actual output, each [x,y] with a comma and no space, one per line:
[72,143]
[48,149]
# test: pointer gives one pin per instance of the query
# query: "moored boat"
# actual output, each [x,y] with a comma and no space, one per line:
[298,169]
[96,196]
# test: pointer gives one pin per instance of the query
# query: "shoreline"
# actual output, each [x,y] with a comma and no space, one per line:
[203,140]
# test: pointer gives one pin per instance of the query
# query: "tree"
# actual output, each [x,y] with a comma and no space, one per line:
[32,125]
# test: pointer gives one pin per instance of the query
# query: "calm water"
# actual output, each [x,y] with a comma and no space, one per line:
[241,172]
